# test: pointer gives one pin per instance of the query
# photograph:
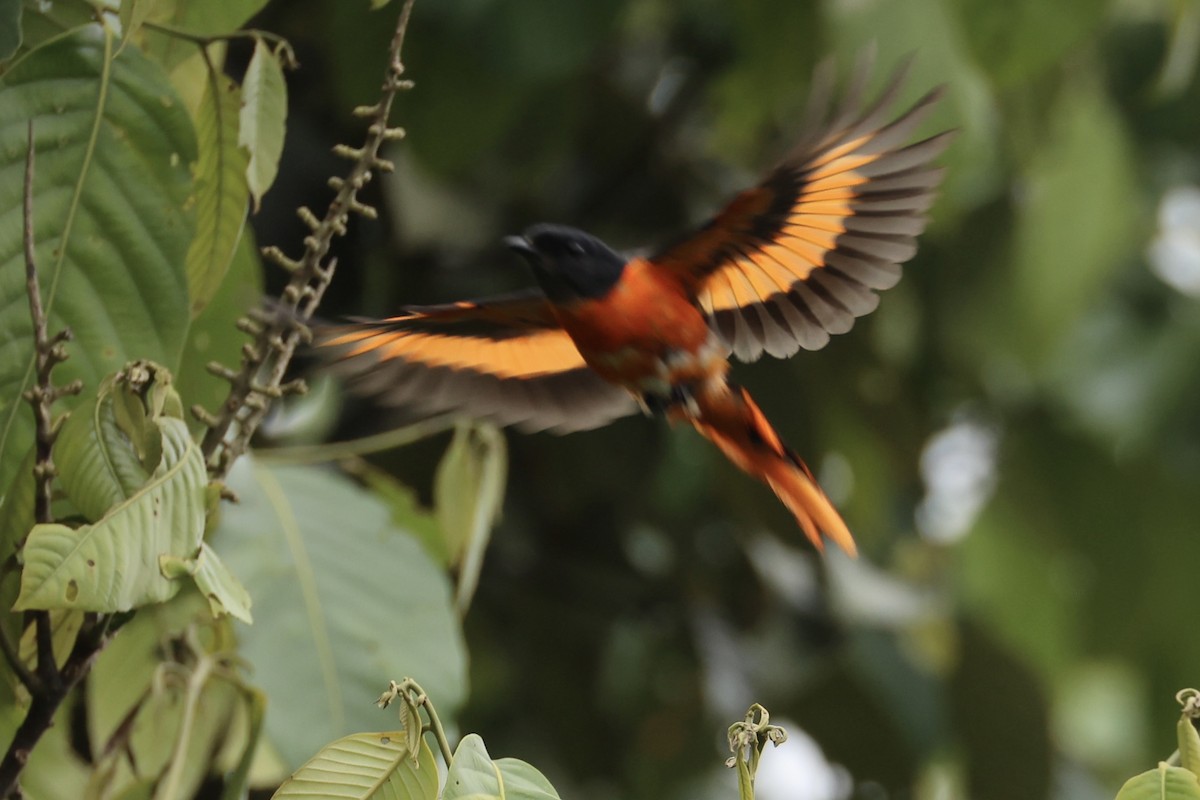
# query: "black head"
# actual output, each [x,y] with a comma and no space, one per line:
[568,263]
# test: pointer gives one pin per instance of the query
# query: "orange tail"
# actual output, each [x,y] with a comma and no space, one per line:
[733,422]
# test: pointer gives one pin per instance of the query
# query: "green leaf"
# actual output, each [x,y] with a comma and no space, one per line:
[111,192]
[64,628]
[220,190]
[475,776]
[1164,783]
[365,766]
[137,712]
[1074,226]
[96,464]
[263,119]
[406,508]
[224,593]
[10,27]
[1017,40]
[113,565]
[238,780]
[43,21]
[133,13]
[1189,743]
[468,493]
[210,18]
[349,595]
[214,335]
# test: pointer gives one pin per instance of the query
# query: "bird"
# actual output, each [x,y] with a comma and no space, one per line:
[603,334]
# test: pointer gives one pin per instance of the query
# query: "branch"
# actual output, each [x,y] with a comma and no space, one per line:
[279,329]
[48,686]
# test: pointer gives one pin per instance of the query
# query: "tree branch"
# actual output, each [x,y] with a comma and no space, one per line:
[279,329]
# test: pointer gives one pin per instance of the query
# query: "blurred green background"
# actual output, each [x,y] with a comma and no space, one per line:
[1013,436]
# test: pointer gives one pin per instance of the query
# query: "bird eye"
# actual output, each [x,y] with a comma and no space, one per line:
[576,248]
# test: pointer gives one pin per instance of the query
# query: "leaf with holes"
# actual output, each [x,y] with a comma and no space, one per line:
[475,776]
[114,565]
[111,194]
[225,594]
[365,766]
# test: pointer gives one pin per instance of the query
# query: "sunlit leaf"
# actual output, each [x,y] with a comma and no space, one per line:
[349,597]
[111,191]
[263,119]
[475,776]
[220,190]
[365,766]
[1163,783]
[469,494]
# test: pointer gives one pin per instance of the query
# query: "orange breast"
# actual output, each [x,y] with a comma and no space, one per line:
[626,335]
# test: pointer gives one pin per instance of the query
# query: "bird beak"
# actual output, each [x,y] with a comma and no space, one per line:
[519,244]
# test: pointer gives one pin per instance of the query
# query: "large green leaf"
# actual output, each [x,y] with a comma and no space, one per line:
[220,190]
[365,766]
[351,599]
[263,118]
[111,194]
[1164,783]
[475,776]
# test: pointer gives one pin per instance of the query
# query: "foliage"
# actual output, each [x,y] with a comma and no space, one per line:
[1011,435]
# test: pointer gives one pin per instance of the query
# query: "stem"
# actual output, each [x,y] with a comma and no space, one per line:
[204,41]
[335,451]
[435,726]
[195,686]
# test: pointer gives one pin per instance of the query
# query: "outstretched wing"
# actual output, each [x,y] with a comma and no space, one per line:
[504,359]
[798,257]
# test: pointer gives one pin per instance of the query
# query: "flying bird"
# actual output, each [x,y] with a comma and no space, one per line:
[781,267]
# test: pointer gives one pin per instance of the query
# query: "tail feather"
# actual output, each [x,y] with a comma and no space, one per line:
[731,420]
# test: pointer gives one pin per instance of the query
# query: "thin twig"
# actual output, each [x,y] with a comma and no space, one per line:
[278,332]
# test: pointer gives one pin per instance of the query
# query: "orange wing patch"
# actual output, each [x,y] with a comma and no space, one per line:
[799,256]
[530,355]
[503,359]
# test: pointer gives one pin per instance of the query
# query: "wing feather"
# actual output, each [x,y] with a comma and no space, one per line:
[800,256]
[504,359]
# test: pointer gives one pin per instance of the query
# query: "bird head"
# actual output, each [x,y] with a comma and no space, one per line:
[568,263]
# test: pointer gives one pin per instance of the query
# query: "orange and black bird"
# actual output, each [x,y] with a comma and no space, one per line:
[781,267]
